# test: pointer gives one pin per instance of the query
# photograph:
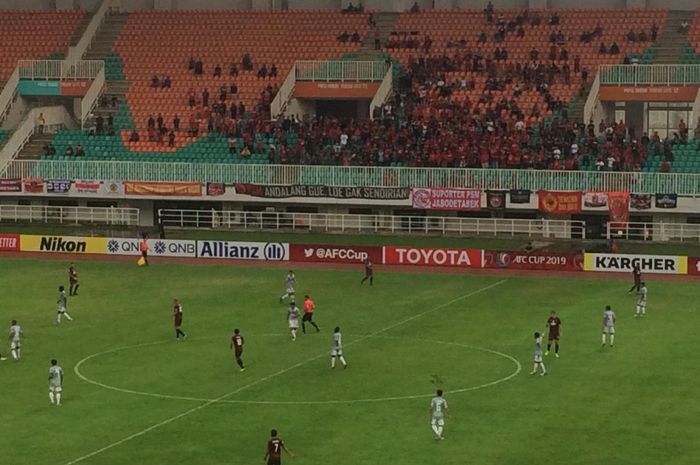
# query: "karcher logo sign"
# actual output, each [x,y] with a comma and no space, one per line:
[58,244]
[663,264]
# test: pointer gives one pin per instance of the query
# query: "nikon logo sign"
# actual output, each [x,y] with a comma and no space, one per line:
[63,244]
[59,244]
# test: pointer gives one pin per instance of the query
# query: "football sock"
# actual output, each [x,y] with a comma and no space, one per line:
[436,430]
[14,354]
[333,361]
[603,339]
[315,326]
[75,290]
[58,398]
[70,290]
[556,348]
[612,339]
[363,280]
[58,319]
[67,316]
[632,288]
[294,334]
[439,431]
[549,346]
[544,370]
[371,280]
[51,396]
[644,310]
[19,355]
[342,360]
[303,327]
[534,368]
[240,362]
[179,333]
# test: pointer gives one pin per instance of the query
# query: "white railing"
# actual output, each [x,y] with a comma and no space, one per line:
[372,224]
[56,116]
[383,92]
[654,232]
[592,100]
[666,75]
[284,93]
[89,101]
[340,70]
[59,69]
[8,94]
[69,215]
[76,52]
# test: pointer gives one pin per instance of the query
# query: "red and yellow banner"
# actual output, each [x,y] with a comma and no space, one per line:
[648,93]
[177,189]
[559,203]
[335,90]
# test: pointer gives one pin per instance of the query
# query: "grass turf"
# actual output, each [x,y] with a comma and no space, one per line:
[626,405]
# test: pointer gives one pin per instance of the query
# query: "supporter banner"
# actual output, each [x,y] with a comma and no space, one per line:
[62,244]
[58,186]
[74,88]
[619,207]
[520,195]
[38,87]
[283,192]
[113,188]
[87,187]
[269,251]
[9,243]
[648,93]
[640,201]
[666,200]
[622,263]
[520,260]
[559,203]
[466,258]
[445,198]
[215,189]
[334,253]
[595,199]
[157,247]
[496,200]
[178,189]
[33,185]
[10,185]
[694,265]
[335,90]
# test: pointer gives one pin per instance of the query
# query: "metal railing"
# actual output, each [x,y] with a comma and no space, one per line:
[279,103]
[663,75]
[8,94]
[59,69]
[339,70]
[372,224]
[654,232]
[383,93]
[69,215]
[365,176]
[89,101]
[76,52]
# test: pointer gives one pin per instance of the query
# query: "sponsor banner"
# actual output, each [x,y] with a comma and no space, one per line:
[595,199]
[648,93]
[619,207]
[520,195]
[465,258]
[314,191]
[666,200]
[38,87]
[10,185]
[62,244]
[113,188]
[33,185]
[623,263]
[157,247]
[58,186]
[215,189]
[496,200]
[640,201]
[694,265]
[520,260]
[444,198]
[335,90]
[178,189]
[559,203]
[268,251]
[74,88]
[334,253]
[9,243]
[87,187]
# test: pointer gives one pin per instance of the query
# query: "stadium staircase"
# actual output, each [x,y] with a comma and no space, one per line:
[35,147]
[385,22]
[671,43]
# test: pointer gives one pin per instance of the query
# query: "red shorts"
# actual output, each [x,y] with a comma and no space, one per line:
[553,336]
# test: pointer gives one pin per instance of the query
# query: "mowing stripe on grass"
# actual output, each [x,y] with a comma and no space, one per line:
[278,373]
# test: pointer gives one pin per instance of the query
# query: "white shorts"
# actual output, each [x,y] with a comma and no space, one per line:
[290,290]
[55,388]
[61,309]
[538,358]
[642,303]
[336,352]
[293,324]
[437,421]
[609,330]
[14,345]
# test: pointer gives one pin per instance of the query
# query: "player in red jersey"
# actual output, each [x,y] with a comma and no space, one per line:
[73,280]
[554,326]
[275,446]
[237,345]
[309,307]
[177,318]
[369,272]
[637,276]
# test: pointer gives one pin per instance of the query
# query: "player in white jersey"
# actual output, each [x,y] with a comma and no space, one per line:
[291,281]
[293,318]
[538,356]
[55,382]
[608,325]
[16,335]
[337,350]
[62,305]
[438,409]
[642,301]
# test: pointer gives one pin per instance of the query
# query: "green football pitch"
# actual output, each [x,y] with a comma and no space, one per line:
[133,395]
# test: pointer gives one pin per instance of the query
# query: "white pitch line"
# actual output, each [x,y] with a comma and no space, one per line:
[274,375]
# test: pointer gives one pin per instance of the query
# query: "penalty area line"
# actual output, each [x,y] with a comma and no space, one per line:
[276,374]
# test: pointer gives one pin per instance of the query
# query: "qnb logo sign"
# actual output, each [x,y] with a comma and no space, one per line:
[275,251]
